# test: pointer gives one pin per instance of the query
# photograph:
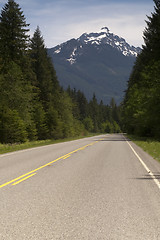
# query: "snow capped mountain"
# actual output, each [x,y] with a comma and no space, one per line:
[98,40]
[98,63]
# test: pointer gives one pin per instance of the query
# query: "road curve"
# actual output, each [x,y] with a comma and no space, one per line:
[102,187]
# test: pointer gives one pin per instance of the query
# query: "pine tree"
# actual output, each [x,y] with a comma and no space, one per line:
[142,100]
[16,91]
[157,2]
[46,80]
[13,33]
[82,105]
[94,113]
[152,34]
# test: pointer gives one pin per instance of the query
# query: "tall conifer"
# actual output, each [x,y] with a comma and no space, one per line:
[46,79]
[16,92]
[13,33]
[142,100]
[152,34]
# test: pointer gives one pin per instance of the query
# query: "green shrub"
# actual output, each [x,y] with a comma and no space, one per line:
[12,127]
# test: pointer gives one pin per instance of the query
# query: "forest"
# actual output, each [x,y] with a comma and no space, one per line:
[33,105]
[141,106]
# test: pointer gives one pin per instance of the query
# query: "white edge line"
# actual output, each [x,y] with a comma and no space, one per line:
[144,165]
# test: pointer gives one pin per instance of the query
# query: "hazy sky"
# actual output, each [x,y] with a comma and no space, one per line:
[61,20]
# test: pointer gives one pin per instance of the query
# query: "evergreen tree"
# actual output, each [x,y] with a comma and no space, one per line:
[13,33]
[152,34]
[94,113]
[16,92]
[46,80]
[142,100]
[88,124]
[75,107]
[47,89]
[32,103]
[12,127]
[82,105]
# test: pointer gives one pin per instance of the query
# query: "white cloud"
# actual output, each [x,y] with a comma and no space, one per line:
[127,21]
[62,20]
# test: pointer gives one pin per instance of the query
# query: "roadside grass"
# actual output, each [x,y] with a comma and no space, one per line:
[149,145]
[6,148]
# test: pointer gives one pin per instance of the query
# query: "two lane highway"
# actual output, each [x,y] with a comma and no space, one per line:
[102,187]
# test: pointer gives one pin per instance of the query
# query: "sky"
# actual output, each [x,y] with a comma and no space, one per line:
[61,20]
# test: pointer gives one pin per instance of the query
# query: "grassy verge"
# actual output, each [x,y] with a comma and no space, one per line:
[5,148]
[149,145]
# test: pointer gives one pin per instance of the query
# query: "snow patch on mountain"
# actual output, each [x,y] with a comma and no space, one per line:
[72,58]
[57,51]
[101,38]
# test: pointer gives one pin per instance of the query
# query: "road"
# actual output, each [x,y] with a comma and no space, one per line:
[102,187]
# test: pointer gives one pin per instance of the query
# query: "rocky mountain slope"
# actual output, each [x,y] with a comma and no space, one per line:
[97,63]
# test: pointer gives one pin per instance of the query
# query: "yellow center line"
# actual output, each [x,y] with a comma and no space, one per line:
[31,173]
[23,179]
[35,170]
[67,157]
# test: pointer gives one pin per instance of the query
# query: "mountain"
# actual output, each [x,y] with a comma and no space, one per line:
[97,63]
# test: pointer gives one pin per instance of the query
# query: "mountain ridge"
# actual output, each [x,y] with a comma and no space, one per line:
[97,63]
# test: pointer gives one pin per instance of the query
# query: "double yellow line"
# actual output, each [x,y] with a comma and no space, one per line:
[34,172]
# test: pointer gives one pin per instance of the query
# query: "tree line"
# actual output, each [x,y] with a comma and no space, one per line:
[33,106]
[141,110]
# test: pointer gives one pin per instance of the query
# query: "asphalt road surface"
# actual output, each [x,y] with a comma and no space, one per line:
[102,187]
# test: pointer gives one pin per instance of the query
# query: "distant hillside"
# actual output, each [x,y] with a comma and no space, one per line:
[97,63]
